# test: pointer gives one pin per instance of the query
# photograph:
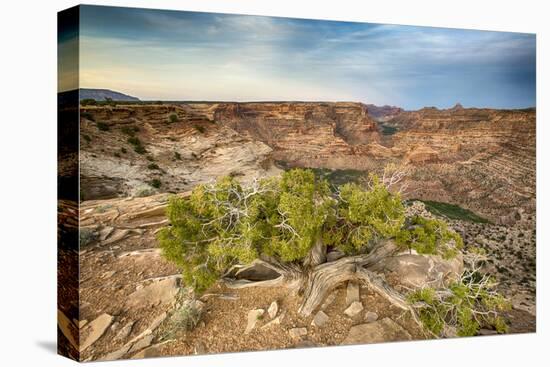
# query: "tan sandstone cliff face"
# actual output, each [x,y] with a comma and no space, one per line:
[305,133]
[481,159]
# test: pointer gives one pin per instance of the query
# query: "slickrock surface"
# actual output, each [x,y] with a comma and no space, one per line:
[179,154]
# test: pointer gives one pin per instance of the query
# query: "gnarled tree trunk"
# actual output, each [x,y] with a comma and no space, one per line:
[316,277]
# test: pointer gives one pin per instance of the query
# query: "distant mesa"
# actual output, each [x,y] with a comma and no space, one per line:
[457,106]
[103,94]
[383,112]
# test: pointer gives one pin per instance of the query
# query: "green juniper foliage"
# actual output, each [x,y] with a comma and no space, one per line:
[429,236]
[102,126]
[226,223]
[467,304]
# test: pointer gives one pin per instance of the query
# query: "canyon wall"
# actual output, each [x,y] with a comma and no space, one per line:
[304,133]
[481,159]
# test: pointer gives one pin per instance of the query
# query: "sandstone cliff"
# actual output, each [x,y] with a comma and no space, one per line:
[127,150]
[304,134]
[481,159]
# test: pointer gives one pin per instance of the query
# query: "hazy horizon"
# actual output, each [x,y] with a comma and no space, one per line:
[186,56]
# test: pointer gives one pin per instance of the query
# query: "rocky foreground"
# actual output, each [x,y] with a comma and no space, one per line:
[131,298]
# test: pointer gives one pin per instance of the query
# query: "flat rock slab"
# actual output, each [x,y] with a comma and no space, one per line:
[273,309]
[415,271]
[96,329]
[125,331]
[159,292]
[117,354]
[354,309]
[67,328]
[352,293]
[142,343]
[252,318]
[149,352]
[385,330]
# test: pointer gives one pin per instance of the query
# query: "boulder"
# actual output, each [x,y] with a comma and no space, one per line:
[371,316]
[416,271]
[159,292]
[68,328]
[117,354]
[149,352]
[305,344]
[320,319]
[275,321]
[354,309]
[252,318]
[384,330]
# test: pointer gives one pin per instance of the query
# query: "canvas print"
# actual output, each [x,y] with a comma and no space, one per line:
[232,183]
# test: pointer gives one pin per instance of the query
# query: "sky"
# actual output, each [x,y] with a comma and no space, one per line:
[174,55]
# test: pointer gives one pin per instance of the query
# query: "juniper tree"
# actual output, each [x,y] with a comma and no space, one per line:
[285,225]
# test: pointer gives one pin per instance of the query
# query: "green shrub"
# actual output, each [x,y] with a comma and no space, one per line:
[102,126]
[200,128]
[467,305]
[134,140]
[130,130]
[117,154]
[153,166]
[87,137]
[88,102]
[144,191]
[123,150]
[177,156]
[173,118]
[185,318]
[156,183]
[150,158]
[87,236]
[138,147]
[429,236]
[87,116]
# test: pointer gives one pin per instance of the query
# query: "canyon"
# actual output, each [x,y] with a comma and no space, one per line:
[480,159]
[134,155]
